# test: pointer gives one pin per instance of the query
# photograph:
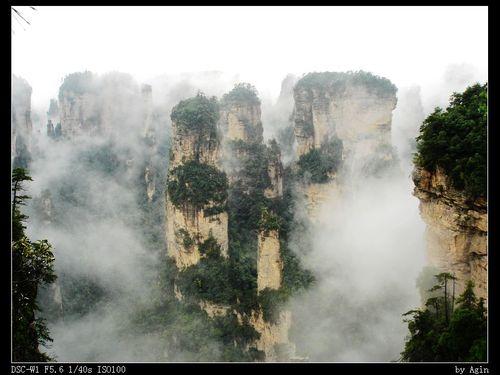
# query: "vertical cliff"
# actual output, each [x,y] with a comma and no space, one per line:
[456,231]
[255,173]
[240,117]
[451,182]
[353,107]
[197,188]
[342,125]
[21,125]
[93,104]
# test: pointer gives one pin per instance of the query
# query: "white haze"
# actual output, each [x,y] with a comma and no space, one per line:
[367,248]
[411,45]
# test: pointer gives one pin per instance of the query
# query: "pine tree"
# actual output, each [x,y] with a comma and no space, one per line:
[32,265]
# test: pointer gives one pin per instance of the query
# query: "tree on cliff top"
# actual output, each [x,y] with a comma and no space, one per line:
[32,266]
[455,140]
[337,81]
[198,113]
[242,93]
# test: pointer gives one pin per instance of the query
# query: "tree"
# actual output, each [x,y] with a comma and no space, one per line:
[438,333]
[455,140]
[32,266]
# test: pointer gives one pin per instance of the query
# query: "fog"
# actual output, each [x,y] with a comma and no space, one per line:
[366,246]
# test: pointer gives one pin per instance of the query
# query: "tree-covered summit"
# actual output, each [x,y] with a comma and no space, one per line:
[241,93]
[337,81]
[78,83]
[197,113]
[455,139]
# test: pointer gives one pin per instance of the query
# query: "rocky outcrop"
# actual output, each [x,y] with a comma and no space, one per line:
[346,118]
[147,105]
[92,104]
[21,125]
[53,112]
[315,194]
[457,229]
[269,262]
[355,108]
[240,118]
[187,229]
[274,340]
[189,226]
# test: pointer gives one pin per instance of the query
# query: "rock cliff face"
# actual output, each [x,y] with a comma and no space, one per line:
[240,120]
[352,111]
[273,339]
[343,106]
[189,226]
[147,104]
[21,125]
[91,104]
[456,231]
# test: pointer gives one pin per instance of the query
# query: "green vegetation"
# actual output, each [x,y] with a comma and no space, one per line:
[242,93]
[271,300]
[198,185]
[455,140]
[187,241]
[78,83]
[269,221]
[447,329]
[337,81]
[321,163]
[198,113]
[210,248]
[32,266]
[188,332]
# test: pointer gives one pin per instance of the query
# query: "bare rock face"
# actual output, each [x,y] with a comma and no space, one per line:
[274,171]
[187,229]
[457,229]
[21,125]
[356,108]
[347,118]
[92,104]
[193,145]
[240,117]
[269,262]
[147,98]
[273,335]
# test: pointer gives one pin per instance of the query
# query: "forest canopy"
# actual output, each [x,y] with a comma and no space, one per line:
[455,139]
[337,81]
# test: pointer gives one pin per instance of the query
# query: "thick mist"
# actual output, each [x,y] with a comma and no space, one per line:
[365,247]
[367,250]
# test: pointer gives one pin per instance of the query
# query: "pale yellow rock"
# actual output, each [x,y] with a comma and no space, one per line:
[275,173]
[354,115]
[187,145]
[315,194]
[456,231]
[272,335]
[199,229]
[214,310]
[269,262]
[21,124]
[242,121]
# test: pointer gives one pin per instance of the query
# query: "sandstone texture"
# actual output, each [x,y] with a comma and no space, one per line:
[457,229]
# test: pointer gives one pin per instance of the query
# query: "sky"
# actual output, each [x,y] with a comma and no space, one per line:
[408,45]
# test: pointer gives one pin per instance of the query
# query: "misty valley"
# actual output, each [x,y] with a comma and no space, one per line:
[192,219]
